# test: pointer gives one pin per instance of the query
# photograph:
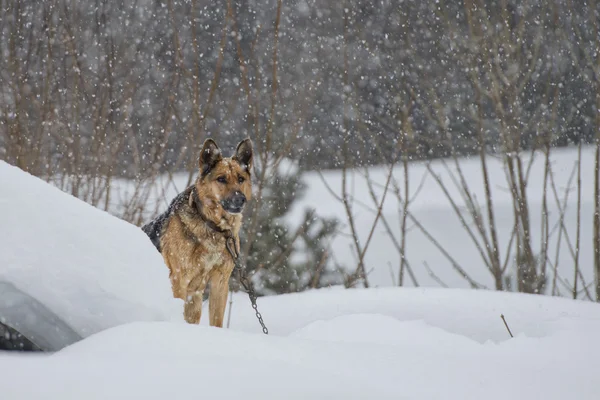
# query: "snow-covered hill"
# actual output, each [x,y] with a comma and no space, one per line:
[90,269]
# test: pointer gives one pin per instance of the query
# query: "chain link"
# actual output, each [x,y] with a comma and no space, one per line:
[246,283]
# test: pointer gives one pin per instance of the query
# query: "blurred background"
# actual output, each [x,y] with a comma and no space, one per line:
[411,143]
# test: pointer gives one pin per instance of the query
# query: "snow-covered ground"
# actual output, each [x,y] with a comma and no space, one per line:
[102,278]
[388,343]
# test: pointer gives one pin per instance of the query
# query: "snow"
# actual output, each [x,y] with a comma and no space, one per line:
[90,269]
[390,343]
[103,278]
[463,312]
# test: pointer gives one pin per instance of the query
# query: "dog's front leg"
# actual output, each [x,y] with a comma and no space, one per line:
[217,298]
[192,309]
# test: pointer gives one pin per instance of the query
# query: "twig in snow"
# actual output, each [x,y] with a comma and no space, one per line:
[506,325]
[434,276]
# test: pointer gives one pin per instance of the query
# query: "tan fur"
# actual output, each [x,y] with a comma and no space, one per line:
[195,253]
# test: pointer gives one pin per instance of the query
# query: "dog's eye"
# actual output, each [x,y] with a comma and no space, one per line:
[222,179]
[241,179]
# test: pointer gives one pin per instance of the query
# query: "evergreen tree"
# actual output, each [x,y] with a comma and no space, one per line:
[284,259]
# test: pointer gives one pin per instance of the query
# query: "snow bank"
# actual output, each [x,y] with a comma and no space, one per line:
[92,270]
[474,314]
[354,344]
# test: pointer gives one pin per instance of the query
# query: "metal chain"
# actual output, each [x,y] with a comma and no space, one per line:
[247,284]
[245,281]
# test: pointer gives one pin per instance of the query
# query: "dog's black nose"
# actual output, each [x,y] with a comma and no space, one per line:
[234,203]
[238,199]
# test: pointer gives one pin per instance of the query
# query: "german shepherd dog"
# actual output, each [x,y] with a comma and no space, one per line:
[194,234]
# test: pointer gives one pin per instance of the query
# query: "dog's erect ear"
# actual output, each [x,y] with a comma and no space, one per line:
[209,156]
[243,154]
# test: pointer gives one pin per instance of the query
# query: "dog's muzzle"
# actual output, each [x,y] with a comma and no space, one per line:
[235,203]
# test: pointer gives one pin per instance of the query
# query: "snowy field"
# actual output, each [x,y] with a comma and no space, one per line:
[332,344]
[433,210]
[102,278]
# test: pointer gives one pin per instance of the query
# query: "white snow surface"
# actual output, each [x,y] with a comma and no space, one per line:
[91,269]
[389,343]
[106,280]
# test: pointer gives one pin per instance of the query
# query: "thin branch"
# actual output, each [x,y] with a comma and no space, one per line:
[434,276]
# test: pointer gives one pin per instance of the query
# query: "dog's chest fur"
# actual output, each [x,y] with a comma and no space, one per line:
[194,243]
[192,249]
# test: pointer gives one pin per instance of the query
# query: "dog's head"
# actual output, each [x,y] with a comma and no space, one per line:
[225,181]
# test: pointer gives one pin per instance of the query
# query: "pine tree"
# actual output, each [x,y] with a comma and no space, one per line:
[284,259]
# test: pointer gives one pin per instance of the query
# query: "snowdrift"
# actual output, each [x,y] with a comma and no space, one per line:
[64,260]
[474,314]
[337,344]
